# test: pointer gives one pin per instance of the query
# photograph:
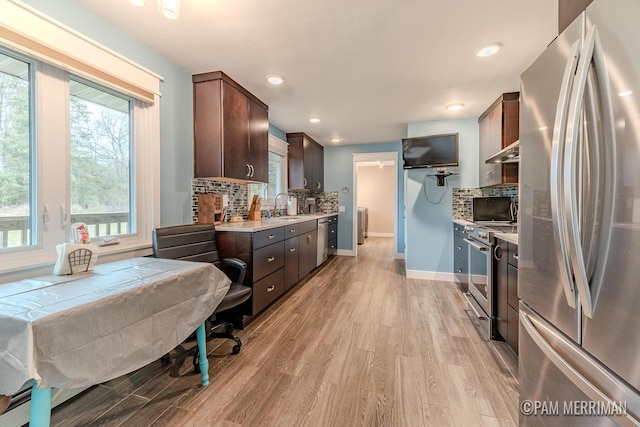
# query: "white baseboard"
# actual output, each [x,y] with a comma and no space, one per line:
[346,252]
[373,234]
[430,275]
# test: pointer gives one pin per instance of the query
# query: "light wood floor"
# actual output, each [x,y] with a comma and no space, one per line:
[355,344]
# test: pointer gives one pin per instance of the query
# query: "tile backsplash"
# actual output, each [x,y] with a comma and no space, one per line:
[462,198]
[238,197]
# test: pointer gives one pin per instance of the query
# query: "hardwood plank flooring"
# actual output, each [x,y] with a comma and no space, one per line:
[356,343]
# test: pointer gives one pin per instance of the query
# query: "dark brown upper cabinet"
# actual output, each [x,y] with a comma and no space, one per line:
[499,127]
[230,130]
[305,163]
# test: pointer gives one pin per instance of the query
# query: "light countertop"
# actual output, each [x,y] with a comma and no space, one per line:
[509,237]
[267,223]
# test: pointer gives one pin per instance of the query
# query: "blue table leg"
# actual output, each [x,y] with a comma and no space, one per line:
[201,335]
[40,414]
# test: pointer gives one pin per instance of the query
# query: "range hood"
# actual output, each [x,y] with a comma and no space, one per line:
[509,154]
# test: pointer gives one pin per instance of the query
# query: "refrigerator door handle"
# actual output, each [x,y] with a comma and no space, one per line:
[579,380]
[557,158]
[592,51]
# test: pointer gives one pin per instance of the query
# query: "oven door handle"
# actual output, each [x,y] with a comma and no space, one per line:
[475,245]
[470,303]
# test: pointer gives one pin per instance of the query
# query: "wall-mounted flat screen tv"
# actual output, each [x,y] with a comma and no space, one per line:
[433,151]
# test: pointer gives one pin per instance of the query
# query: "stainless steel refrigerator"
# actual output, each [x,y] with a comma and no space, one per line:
[579,242]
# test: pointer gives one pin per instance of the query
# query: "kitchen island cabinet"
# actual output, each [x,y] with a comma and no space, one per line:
[231,130]
[305,163]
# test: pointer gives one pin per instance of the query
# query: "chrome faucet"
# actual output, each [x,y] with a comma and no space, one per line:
[275,203]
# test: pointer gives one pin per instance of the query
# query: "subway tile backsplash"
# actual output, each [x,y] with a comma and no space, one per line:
[462,198]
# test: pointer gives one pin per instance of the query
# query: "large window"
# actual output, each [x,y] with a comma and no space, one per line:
[100,127]
[72,150]
[277,176]
[16,213]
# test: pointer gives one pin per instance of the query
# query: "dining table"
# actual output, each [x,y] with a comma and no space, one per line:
[87,328]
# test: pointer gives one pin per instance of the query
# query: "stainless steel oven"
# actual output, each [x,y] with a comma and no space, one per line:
[480,294]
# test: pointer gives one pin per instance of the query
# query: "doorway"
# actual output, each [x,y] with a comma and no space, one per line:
[381,198]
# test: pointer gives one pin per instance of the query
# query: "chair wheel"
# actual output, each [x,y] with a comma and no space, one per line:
[196,361]
[236,349]
[228,329]
[166,358]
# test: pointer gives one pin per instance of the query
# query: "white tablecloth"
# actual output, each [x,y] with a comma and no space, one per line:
[80,330]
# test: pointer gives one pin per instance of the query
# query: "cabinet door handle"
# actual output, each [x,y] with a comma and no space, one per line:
[271,288]
[515,256]
[248,169]
[270,236]
[271,259]
[305,182]
[309,237]
[459,270]
[318,185]
[292,250]
[293,230]
[459,248]
[253,171]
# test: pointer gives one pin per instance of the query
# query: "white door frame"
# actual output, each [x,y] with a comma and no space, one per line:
[372,157]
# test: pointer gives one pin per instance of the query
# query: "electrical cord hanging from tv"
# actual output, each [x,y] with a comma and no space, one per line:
[424,188]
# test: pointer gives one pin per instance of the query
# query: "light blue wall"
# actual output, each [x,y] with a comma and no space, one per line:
[277,132]
[338,173]
[429,236]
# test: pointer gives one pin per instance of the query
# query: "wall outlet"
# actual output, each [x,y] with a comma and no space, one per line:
[342,209]
[225,200]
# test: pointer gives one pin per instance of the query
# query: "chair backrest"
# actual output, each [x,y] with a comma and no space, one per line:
[191,242]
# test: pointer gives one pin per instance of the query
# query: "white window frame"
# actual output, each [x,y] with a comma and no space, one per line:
[51,189]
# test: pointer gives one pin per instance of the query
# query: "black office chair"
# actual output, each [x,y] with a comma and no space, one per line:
[197,242]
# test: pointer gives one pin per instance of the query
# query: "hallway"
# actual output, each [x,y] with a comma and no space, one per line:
[354,344]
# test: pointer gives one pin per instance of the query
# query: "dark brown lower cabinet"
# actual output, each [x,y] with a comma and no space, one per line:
[291,262]
[267,290]
[506,256]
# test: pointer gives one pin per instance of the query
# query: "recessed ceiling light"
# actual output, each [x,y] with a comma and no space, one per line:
[335,140]
[625,93]
[314,119]
[137,2]
[488,50]
[275,79]
[542,128]
[455,107]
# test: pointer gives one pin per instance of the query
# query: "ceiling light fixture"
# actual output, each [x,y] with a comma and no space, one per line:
[275,79]
[489,50]
[137,2]
[314,120]
[455,107]
[335,140]
[625,93]
[169,8]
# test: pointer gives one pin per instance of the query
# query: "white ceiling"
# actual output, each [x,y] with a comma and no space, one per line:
[365,67]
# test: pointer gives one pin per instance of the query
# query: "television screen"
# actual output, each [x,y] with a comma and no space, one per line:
[430,151]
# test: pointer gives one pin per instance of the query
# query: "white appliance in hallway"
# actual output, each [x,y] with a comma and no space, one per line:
[580,224]
[363,224]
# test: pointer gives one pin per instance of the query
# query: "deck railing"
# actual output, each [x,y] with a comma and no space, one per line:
[15,230]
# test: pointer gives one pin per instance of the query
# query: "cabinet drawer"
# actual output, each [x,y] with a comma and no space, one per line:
[458,230]
[267,290]
[332,231]
[460,247]
[267,237]
[267,260]
[332,219]
[308,226]
[332,247]
[513,255]
[291,230]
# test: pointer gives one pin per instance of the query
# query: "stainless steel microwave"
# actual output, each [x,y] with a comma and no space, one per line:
[499,209]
